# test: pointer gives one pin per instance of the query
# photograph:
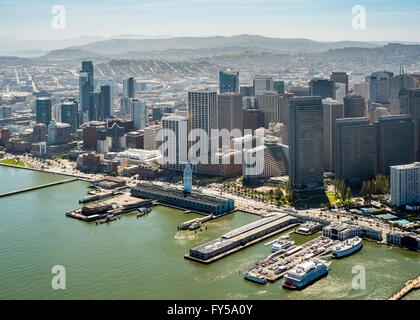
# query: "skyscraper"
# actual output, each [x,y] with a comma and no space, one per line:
[202,113]
[333,110]
[87,67]
[86,85]
[138,114]
[229,81]
[262,83]
[414,110]
[395,142]
[84,89]
[354,106]
[229,111]
[175,157]
[398,86]
[69,114]
[305,141]
[340,85]
[106,97]
[43,109]
[95,106]
[269,105]
[405,184]
[278,86]
[379,86]
[129,87]
[355,150]
[321,88]
[284,107]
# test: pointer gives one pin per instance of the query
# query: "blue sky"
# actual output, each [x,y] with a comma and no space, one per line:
[325,20]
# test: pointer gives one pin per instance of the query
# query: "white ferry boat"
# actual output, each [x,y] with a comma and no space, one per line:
[347,247]
[281,245]
[305,273]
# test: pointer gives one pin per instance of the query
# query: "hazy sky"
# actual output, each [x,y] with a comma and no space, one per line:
[327,20]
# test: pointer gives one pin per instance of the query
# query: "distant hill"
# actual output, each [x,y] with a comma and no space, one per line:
[119,46]
[75,54]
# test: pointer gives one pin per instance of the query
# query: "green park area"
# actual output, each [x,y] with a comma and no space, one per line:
[12,162]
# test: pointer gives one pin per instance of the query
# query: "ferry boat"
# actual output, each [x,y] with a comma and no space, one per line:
[305,273]
[194,226]
[347,247]
[281,245]
[257,278]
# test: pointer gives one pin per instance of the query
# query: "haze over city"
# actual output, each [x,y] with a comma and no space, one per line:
[327,20]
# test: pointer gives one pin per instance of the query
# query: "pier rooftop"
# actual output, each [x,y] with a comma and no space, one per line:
[192,201]
[241,236]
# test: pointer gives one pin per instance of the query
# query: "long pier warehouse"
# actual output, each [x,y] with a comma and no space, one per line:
[241,237]
[189,200]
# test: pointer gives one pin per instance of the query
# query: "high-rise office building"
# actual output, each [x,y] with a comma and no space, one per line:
[129,87]
[229,111]
[278,86]
[106,96]
[299,91]
[151,141]
[284,107]
[262,83]
[86,85]
[252,119]
[69,114]
[58,133]
[269,104]
[139,114]
[43,110]
[202,113]
[247,91]
[84,89]
[333,110]
[354,106]
[405,184]
[379,86]
[340,85]
[321,88]
[87,67]
[355,150]
[395,142]
[229,81]
[95,106]
[175,157]
[398,86]
[306,166]
[414,110]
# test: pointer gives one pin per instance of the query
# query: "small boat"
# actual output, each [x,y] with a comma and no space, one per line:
[143,211]
[194,225]
[257,278]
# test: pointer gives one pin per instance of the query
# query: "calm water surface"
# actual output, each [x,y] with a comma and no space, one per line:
[142,258]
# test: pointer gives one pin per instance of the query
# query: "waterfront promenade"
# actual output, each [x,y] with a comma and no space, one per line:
[409,286]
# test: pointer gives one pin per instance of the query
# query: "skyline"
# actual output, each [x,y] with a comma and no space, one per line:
[329,21]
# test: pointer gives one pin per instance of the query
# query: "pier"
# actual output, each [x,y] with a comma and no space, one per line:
[408,287]
[276,265]
[37,187]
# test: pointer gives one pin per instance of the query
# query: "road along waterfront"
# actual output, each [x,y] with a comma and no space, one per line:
[143,258]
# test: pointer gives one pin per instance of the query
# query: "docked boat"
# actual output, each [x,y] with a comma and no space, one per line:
[347,247]
[256,278]
[281,245]
[194,226]
[143,211]
[305,273]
